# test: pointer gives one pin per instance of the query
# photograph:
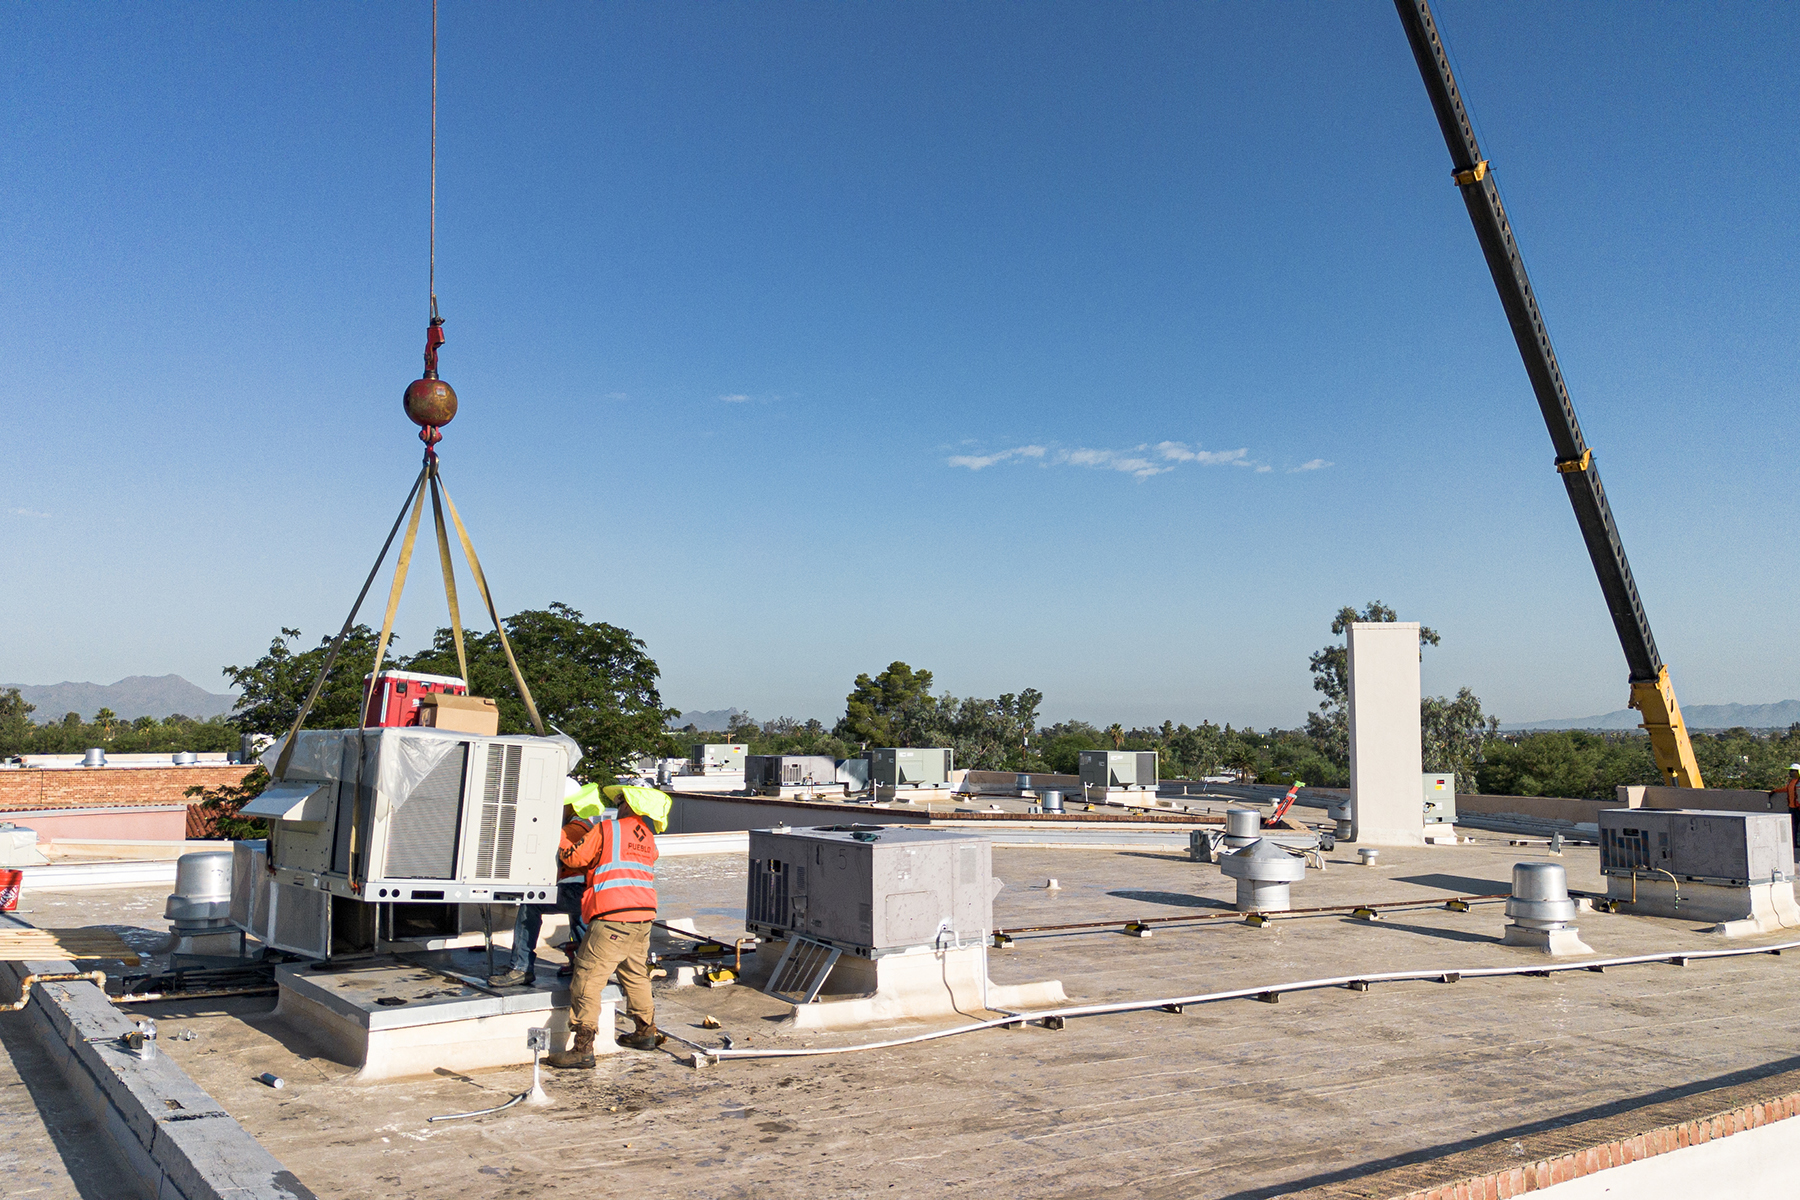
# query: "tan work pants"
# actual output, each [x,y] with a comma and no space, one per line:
[609,946]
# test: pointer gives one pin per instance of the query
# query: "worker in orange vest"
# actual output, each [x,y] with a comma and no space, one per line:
[619,857]
[570,886]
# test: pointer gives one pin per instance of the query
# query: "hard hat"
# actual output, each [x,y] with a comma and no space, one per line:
[586,801]
[646,802]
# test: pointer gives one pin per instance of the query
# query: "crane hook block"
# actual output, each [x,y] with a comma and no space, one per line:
[429,401]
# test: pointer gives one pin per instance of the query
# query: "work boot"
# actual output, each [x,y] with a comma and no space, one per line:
[644,1037]
[511,979]
[580,1054]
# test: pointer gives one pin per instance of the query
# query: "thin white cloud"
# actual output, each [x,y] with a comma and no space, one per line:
[29,512]
[1182,452]
[977,462]
[734,398]
[1132,462]
[617,396]
[1143,461]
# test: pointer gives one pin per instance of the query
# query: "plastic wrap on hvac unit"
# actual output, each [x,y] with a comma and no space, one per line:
[422,839]
[317,755]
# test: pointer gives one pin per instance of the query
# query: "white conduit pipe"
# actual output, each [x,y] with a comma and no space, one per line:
[1681,957]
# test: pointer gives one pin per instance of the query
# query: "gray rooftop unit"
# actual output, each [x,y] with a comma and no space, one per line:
[790,770]
[1440,797]
[912,766]
[1731,849]
[871,890]
[717,758]
[1118,768]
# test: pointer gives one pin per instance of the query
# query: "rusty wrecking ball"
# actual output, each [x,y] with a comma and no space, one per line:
[430,402]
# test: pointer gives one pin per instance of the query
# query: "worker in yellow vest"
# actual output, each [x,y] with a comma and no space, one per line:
[619,857]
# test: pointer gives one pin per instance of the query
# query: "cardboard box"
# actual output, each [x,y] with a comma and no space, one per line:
[464,714]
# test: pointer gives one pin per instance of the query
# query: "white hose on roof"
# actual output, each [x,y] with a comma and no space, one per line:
[1270,990]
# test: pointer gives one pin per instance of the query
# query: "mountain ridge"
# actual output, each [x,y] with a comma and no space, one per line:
[1699,716]
[131,697]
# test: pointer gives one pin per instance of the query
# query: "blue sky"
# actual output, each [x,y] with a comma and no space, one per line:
[1103,349]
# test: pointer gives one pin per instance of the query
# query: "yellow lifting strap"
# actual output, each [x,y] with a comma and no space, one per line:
[393,604]
[437,516]
[415,501]
[487,598]
[443,540]
[287,749]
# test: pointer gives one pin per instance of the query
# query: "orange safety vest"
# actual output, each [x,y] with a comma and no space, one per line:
[621,882]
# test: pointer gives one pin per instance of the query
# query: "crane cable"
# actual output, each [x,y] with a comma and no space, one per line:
[431,269]
[428,482]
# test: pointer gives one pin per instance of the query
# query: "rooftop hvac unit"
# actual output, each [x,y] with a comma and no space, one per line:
[717,758]
[1440,798]
[909,767]
[415,814]
[871,890]
[853,773]
[1118,768]
[790,770]
[1732,849]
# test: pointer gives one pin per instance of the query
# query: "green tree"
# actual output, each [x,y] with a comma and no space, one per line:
[592,680]
[274,686]
[16,728]
[1330,666]
[222,806]
[1454,734]
[1566,762]
[991,735]
[1061,745]
[873,705]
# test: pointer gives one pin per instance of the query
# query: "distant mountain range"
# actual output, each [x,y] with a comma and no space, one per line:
[132,697]
[1697,716]
[709,719]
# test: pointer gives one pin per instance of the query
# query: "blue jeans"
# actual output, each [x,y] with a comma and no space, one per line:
[530,924]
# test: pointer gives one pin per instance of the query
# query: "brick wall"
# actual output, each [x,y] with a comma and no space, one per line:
[108,787]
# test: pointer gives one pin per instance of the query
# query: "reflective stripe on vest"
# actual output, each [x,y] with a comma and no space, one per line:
[617,884]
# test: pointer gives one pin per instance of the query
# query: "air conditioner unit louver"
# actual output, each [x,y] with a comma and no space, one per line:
[422,844]
[499,813]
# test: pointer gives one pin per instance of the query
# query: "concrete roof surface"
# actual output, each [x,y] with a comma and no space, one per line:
[1238,1099]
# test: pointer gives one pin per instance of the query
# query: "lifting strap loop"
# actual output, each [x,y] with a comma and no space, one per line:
[487,597]
[443,542]
[287,751]
[387,623]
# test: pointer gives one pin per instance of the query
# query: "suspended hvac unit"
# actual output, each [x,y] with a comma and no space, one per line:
[417,814]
